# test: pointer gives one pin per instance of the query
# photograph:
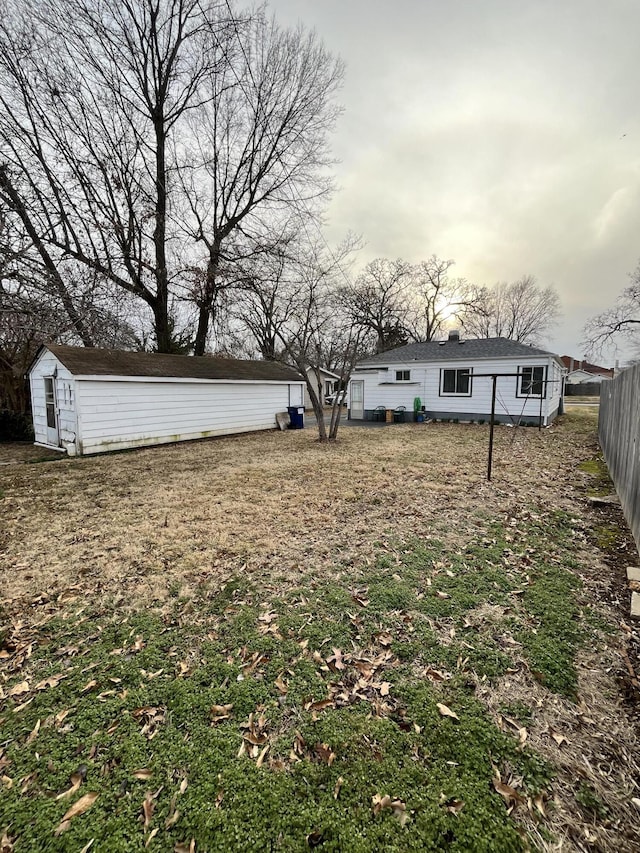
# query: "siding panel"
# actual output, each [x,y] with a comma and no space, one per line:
[118,414]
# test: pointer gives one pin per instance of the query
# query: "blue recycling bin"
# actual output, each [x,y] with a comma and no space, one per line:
[296,416]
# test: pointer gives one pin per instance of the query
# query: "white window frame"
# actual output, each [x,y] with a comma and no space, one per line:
[520,390]
[403,376]
[456,370]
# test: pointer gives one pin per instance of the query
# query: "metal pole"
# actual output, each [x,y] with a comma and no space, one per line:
[543,385]
[493,413]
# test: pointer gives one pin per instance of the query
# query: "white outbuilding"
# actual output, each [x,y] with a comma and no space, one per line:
[94,400]
[453,380]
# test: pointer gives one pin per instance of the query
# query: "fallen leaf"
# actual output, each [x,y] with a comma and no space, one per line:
[435,674]
[185,847]
[559,739]
[539,804]
[170,821]
[400,811]
[320,705]
[19,708]
[89,686]
[87,846]
[6,843]
[152,835]
[144,774]
[262,755]
[183,785]
[510,795]
[19,689]
[454,806]
[147,808]
[76,781]
[338,785]
[34,734]
[220,713]
[447,712]
[380,802]
[281,685]
[51,681]
[80,807]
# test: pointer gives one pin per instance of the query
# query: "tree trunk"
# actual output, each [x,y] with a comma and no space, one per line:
[207,303]
[161,307]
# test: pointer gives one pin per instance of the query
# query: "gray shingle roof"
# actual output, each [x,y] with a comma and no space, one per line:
[472,350]
[109,362]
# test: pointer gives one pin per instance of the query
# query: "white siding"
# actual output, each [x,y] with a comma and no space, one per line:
[381,389]
[48,365]
[116,413]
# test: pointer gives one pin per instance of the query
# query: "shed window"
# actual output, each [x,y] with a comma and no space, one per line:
[50,402]
[403,375]
[532,382]
[455,382]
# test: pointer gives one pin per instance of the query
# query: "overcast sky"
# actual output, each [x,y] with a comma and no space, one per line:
[504,134]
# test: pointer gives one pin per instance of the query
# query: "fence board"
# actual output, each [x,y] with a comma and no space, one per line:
[619,433]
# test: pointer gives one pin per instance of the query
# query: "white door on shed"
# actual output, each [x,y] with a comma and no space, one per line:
[53,433]
[357,399]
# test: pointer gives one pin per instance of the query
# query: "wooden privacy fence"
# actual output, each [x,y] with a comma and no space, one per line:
[619,433]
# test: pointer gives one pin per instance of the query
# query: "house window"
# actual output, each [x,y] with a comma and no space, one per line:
[532,382]
[403,375]
[455,382]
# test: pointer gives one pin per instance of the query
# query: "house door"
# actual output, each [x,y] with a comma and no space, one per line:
[357,399]
[53,435]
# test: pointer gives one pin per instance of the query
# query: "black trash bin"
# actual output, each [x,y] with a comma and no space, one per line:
[296,416]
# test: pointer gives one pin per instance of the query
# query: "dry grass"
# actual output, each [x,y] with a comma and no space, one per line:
[138,527]
[270,504]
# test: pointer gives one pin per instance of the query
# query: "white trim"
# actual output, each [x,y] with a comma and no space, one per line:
[115,377]
[49,446]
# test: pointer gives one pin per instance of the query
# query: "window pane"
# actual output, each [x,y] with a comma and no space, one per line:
[463,382]
[449,381]
[538,377]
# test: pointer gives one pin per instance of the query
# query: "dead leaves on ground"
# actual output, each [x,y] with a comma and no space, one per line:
[399,809]
[78,808]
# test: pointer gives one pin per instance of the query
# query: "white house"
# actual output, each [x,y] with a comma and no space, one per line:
[325,383]
[453,379]
[580,377]
[92,400]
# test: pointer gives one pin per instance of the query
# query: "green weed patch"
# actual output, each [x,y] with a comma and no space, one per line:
[336,716]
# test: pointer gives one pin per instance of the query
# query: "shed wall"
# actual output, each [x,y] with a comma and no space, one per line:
[116,414]
[65,390]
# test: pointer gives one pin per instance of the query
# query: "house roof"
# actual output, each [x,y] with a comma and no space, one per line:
[109,362]
[312,369]
[454,350]
[574,364]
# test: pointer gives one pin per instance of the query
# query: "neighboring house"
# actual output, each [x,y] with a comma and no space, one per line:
[92,400]
[584,371]
[324,381]
[452,378]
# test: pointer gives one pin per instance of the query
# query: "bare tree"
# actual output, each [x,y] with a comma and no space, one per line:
[521,311]
[622,321]
[260,147]
[378,302]
[438,298]
[91,92]
[316,324]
